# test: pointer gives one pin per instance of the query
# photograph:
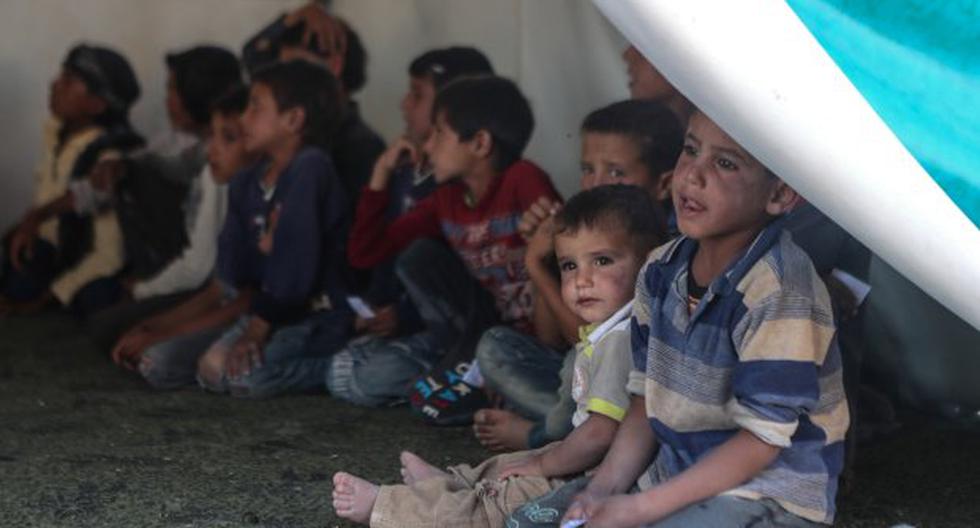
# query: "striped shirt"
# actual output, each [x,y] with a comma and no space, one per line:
[758,353]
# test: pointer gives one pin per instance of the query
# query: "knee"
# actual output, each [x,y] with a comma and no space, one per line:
[493,348]
[211,368]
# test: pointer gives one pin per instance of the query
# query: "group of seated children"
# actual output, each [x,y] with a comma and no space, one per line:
[657,351]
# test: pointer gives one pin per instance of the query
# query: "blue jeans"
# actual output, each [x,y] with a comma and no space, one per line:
[374,371]
[455,310]
[172,364]
[720,511]
[534,380]
[296,357]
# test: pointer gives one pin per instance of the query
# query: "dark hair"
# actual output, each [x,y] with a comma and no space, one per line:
[107,75]
[655,129]
[615,207]
[202,74]
[448,64]
[310,87]
[354,75]
[494,104]
[232,102]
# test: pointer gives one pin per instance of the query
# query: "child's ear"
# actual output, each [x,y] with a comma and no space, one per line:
[95,105]
[662,189]
[782,199]
[295,119]
[482,143]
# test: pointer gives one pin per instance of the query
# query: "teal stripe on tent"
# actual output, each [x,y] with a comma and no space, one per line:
[918,63]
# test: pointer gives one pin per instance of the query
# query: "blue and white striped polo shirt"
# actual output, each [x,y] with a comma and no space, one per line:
[758,353]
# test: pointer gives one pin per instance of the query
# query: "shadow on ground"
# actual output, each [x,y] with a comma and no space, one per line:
[86,444]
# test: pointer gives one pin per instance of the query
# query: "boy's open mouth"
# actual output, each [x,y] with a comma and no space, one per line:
[690,206]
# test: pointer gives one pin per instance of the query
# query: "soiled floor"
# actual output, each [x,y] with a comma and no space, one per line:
[85,444]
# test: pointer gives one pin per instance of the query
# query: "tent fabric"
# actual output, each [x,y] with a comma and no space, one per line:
[917,62]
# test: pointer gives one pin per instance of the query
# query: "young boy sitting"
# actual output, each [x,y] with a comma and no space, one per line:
[480,128]
[737,378]
[166,347]
[65,257]
[630,142]
[393,313]
[284,238]
[602,238]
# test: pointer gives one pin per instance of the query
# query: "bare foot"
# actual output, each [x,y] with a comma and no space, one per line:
[415,469]
[353,497]
[500,430]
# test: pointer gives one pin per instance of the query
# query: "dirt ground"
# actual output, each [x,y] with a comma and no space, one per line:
[85,444]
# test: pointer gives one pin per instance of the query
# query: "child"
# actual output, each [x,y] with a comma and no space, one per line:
[631,142]
[737,378]
[480,128]
[356,146]
[166,347]
[646,83]
[284,238]
[393,313]
[168,193]
[65,257]
[601,240]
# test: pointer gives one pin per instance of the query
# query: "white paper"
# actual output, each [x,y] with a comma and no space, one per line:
[858,287]
[360,307]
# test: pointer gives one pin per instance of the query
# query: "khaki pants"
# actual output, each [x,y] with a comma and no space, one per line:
[469,497]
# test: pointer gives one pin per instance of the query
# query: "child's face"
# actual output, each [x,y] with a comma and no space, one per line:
[180,119]
[70,99]
[416,108]
[613,158]
[265,127]
[645,82]
[447,155]
[226,147]
[719,189]
[598,271]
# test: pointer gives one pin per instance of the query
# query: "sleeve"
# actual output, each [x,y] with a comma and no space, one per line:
[607,392]
[639,336]
[781,340]
[104,260]
[195,264]
[312,206]
[233,238]
[374,240]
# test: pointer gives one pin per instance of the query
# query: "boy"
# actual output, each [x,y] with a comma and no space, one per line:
[284,238]
[631,142]
[480,128]
[601,240]
[737,377]
[393,313]
[166,347]
[66,257]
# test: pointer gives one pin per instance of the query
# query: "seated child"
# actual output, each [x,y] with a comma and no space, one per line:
[602,238]
[480,128]
[64,257]
[196,209]
[648,84]
[630,142]
[310,33]
[166,347]
[393,312]
[738,399]
[284,238]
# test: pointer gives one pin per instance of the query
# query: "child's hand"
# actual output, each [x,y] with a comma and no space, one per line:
[398,152]
[542,244]
[383,324]
[529,467]
[247,353]
[22,241]
[584,505]
[539,211]
[130,347]
[329,32]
